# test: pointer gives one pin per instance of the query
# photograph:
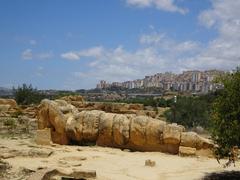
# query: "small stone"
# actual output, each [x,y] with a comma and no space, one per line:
[150,163]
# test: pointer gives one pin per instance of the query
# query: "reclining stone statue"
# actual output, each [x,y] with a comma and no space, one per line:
[137,133]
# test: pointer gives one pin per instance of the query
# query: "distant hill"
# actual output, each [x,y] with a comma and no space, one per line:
[5,92]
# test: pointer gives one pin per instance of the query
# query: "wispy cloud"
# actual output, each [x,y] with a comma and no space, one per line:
[70,56]
[157,52]
[29,55]
[76,55]
[153,38]
[222,52]
[119,64]
[165,5]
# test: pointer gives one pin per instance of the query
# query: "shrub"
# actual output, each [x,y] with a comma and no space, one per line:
[26,95]
[189,111]
[225,115]
[10,123]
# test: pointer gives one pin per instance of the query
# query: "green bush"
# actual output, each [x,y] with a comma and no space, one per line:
[189,112]
[225,116]
[26,94]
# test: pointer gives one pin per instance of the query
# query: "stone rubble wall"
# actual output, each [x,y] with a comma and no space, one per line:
[120,108]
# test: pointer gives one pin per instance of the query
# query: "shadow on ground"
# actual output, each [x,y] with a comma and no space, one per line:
[226,175]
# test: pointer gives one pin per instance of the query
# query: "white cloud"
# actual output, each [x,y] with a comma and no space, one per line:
[165,5]
[153,38]
[119,64]
[70,56]
[76,55]
[222,52]
[222,11]
[160,53]
[187,46]
[164,43]
[27,54]
[92,52]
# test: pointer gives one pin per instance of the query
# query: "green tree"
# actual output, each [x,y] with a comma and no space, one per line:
[26,95]
[189,111]
[225,116]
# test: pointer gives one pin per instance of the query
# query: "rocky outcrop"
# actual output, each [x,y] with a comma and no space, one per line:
[193,140]
[54,115]
[120,108]
[138,133]
[29,111]
[7,107]
[76,101]
[11,102]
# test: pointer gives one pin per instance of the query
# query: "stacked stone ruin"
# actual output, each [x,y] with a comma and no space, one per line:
[126,131]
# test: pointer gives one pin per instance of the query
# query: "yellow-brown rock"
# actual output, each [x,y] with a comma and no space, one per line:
[189,139]
[121,129]
[138,131]
[172,134]
[10,102]
[125,131]
[105,129]
[43,136]
[90,125]
[187,151]
[54,115]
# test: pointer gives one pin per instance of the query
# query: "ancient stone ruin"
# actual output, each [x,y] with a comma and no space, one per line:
[119,108]
[66,125]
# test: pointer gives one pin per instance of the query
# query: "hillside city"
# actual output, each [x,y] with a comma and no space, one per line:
[187,81]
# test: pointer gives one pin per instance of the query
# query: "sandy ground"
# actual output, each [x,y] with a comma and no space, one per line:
[109,163]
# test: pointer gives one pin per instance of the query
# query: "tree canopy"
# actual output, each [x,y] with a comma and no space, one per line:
[189,111]
[26,95]
[225,116]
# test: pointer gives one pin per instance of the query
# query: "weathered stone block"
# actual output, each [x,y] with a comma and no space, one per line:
[43,137]
[187,151]
[172,134]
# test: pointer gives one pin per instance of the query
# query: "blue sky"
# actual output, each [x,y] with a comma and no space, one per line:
[73,44]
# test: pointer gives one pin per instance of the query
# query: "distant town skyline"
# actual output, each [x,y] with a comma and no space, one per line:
[187,81]
[71,45]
